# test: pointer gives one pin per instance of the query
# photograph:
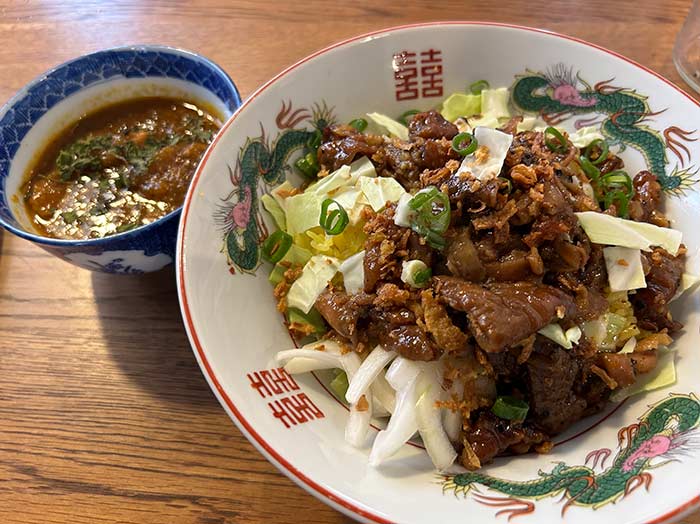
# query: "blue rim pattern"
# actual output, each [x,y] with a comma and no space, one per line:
[23,110]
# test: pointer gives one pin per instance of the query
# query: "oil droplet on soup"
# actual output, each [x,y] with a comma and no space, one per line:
[118,168]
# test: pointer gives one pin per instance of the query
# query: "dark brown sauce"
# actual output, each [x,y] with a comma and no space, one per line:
[118,168]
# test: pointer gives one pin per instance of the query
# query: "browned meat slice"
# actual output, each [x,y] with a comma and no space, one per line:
[463,258]
[624,368]
[515,266]
[431,124]
[618,367]
[647,196]
[343,144]
[551,376]
[503,314]
[472,193]
[644,206]
[418,249]
[342,311]
[663,279]
[490,436]
[405,161]
[595,274]
[433,153]
[410,342]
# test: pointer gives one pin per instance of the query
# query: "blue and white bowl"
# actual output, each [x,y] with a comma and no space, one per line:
[57,98]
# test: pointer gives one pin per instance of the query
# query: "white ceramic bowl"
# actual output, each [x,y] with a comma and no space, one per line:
[235,331]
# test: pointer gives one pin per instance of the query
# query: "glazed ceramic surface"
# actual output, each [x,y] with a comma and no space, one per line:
[56,99]
[634,463]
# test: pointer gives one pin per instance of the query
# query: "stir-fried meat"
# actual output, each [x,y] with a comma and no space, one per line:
[516,265]
[551,373]
[431,124]
[410,342]
[502,314]
[515,260]
[344,144]
[418,249]
[644,206]
[618,367]
[663,279]
[342,311]
[463,258]
[490,436]
[405,161]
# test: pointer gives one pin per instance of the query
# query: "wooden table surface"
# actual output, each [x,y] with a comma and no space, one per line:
[104,414]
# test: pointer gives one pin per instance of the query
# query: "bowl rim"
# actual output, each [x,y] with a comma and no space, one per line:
[37,80]
[340,502]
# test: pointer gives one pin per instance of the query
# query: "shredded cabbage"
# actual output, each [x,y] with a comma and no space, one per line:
[497,144]
[584,136]
[494,102]
[624,265]
[393,127]
[460,105]
[614,231]
[353,270]
[313,280]
[565,339]
[276,212]
[688,283]
[380,190]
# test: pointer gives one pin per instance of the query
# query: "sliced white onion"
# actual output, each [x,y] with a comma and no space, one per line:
[371,367]
[322,357]
[402,425]
[299,365]
[452,422]
[359,420]
[401,372]
[436,440]
[379,411]
[384,393]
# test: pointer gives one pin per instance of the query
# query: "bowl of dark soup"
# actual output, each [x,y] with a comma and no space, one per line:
[97,154]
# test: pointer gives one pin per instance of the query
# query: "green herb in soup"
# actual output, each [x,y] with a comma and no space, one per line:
[118,168]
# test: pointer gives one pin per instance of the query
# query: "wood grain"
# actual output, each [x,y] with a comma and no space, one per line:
[104,414]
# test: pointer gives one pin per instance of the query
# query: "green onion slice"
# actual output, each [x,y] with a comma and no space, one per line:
[460,139]
[406,117]
[555,141]
[359,123]
[308,165]
[508,184]
[510,408]
[477,87]
[421,277]
[618,178]
[276,246]
[592,172]
[604,149]
[335,221]
[432,216]
[433,209]
[315,141]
